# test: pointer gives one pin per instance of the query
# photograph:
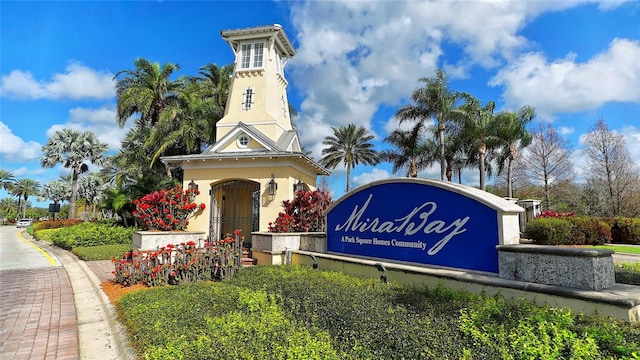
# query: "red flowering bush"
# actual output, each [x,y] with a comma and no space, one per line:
[305,213]
[165,210]
[180,264]
[553,214]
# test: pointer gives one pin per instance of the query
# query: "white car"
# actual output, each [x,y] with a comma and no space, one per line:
[23,223]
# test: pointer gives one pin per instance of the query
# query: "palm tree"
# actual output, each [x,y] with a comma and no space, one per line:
[7,205]
[480,127]
[513,135]
[146,90]
[71,149]
[185,125]
[56,191]
[349,145]
[24,188]
[411,150]
[90,187]
[435,102]
[6,179]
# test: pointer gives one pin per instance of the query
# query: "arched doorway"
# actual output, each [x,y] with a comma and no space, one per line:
[235,204]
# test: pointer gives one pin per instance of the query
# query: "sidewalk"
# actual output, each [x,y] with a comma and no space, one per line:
[60,313]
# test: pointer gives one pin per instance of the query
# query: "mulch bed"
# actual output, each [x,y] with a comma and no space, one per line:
[115,291]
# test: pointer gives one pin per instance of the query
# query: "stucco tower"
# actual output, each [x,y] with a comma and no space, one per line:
[256,160]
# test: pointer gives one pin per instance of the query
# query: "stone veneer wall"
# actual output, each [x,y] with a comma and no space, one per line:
[153,240]
[570,267]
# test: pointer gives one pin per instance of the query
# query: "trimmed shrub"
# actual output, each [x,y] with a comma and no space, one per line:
[55,224]
[549,231]
[589,231]
[90,234]
[296,312]
[100,252]
[626,231]
[627,273]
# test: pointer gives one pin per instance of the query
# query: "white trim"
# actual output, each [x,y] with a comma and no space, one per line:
[239,141]
[255,162]
[232,136]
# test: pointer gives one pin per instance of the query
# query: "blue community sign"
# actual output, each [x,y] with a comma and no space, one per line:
[423,221]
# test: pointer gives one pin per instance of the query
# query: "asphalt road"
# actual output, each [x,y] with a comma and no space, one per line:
[18,253]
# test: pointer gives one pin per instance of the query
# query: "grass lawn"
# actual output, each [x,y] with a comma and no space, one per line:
[620,248]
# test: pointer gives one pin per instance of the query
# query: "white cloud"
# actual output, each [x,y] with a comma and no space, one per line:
[374,175]
[354,56]
[78,82]
[563,130]
[632,138]
[100,121]
[567,86]
[15,149]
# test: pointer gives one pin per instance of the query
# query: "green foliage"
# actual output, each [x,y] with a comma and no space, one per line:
[88,234]
[295,312]
[563,229]
[100,252]
[549,231]
[238,324]
[521,330]
[615,339]
[589,231]
[626,230]
[55,224]
[627,273]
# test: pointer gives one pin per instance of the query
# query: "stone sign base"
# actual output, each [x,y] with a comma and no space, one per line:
[581,268]
[154,240]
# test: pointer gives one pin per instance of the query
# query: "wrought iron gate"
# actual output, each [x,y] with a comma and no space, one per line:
[235,204]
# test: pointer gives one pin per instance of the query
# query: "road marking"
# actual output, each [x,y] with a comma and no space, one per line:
[51,260]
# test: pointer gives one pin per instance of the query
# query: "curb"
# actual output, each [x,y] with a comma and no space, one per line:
[100,335]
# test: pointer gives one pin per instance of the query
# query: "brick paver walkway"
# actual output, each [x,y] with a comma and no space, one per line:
[37,315]
[103,269]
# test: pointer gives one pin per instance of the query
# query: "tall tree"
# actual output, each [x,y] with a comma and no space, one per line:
[72,149]
[6,179]
[145,90]
[512,136]
[548,158]
[480,127]
[23,189]
[611,168]
[185,125]
[433,102]
[349,145]
[410,150]
[90,188]
[7,206]
[56,191]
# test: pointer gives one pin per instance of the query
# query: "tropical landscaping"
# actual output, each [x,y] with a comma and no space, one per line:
[269,312]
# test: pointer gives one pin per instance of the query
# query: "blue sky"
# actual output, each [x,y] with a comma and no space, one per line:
[358,61]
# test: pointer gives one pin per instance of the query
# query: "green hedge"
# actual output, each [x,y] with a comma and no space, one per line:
[589,231]
[626,230]
[295,312]
[581,230]
[101,252]
[628,273]
[549,231]
[86,234]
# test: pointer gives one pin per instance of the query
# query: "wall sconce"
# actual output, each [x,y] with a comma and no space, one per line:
[272,186]
[315,261]
[383,270]
[299,186]
[193,189]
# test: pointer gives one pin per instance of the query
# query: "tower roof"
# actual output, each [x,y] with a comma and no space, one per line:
[234,37]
